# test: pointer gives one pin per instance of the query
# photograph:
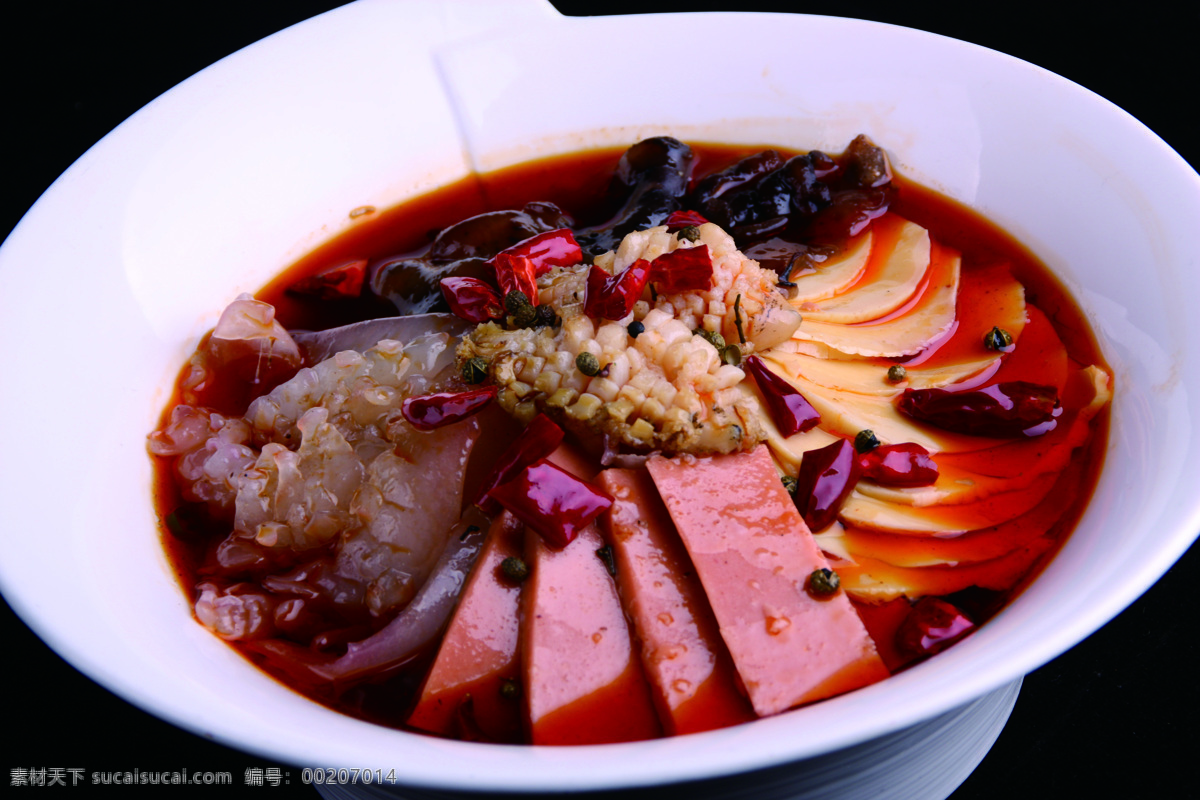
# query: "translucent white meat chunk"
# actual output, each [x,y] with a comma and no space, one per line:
[235,613]
[407,496]
[361,391]
[339,462]
[213,452]
[326,466]
[249,337]
[305,493]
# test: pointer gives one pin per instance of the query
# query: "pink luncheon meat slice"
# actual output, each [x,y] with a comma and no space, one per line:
[464,692]
[583,683]
[754,554]
[686,662]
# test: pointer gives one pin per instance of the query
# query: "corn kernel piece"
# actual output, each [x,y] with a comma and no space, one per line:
[642,431]
[561,362]
[578,332]
[644,380]
[664,392]
[676,357]
[612,336]
[652,409]
[673,331]
[562,398]
[677,417]
[632,394]
[604,388]
[507,399]
[620,409]
[690,401]
[619,369]
[548,382]
[728,376]
[585,407]
[525,411]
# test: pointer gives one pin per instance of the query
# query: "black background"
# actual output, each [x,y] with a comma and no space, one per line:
[1112,717]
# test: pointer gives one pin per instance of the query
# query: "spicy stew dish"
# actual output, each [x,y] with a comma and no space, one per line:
[614,446]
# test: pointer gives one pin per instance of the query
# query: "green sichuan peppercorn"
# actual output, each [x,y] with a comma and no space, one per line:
[822,582]
[515,569]
[731,354]
[789,483]
[691,234]
[997,339]
[475,370]
[523,313]
[865,441]
[515,300]
[897,373]
[587,363]
[546,317]
[712,337]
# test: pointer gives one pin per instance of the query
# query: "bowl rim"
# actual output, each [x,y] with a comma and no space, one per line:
[1144,577]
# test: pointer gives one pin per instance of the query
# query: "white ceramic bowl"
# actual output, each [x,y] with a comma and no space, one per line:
[218,184]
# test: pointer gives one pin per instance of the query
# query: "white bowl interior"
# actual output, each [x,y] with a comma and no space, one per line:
[221,182]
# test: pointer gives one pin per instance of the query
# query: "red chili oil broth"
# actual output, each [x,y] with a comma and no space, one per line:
[578,183]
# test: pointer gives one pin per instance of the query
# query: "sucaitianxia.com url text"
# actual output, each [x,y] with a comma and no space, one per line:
[74,776]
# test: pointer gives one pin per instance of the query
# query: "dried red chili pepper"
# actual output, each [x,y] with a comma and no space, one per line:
[343,280]
[472,299]
[539,439]
[826,477]
[790,412]
[677,220]
[516,273]
[556,248]
[613,296]
[552,502]
[1006,410]
[906,464]
[685,269]
[429,411]
[931,627]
